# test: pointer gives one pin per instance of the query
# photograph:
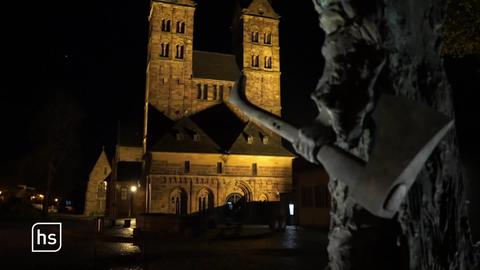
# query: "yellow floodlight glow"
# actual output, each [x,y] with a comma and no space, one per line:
[133,188]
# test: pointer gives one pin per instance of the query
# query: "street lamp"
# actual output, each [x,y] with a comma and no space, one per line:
[133,189]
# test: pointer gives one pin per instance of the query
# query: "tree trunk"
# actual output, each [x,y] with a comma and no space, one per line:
[431,231]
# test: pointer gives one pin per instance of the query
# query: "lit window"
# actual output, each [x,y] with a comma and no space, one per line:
[291,209]
[264,139]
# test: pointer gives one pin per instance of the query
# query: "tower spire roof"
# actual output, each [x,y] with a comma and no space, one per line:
[261,8]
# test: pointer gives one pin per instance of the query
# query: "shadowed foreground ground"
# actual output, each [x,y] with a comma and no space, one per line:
[256,248]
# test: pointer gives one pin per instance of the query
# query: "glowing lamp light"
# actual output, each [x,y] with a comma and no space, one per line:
[291,209]
[0,192]
[40,196]
[133,189]
[56,199]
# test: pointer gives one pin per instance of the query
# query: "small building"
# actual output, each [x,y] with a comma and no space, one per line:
[311,193]
[96,194]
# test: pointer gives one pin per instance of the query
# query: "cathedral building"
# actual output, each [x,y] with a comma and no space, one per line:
[193,150]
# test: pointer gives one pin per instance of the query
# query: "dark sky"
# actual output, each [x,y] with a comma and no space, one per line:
[95,52]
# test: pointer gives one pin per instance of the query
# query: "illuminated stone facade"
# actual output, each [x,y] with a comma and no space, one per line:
[96,194]
[207,153]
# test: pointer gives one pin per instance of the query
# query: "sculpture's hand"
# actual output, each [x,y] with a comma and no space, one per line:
[311,139]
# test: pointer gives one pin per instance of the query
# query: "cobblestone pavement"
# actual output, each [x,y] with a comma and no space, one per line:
[292,249]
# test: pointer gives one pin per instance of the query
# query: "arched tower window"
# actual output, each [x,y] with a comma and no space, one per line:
[181,27]
[179,51]
[268,62]
[166,25]
[255,62]
[255,36]
[164,49]
[267,38]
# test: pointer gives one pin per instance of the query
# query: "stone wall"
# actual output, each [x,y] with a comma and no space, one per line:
[170,78]
[168,175]
[96,193]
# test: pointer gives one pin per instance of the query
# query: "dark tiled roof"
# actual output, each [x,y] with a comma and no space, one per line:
[220,124]
[158,125]
[129,171]
[216,66]
[186,136]
[219,130]
[260,8]
[262,142]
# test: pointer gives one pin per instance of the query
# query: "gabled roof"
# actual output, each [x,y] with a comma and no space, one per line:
[186,136]
[178,2]
[216,66]
[220,124]
[158,125]
[261,8]
[217,130]
[102,168]
[254,140]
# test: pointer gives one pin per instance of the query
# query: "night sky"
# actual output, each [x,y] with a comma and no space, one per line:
[94,52]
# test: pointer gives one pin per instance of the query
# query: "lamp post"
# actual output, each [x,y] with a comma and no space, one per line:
[133,189]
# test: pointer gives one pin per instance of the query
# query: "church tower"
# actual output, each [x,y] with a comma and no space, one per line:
[170,53]
[256,45]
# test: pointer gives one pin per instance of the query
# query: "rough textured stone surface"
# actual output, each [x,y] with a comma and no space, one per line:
[95,196]
[431,231]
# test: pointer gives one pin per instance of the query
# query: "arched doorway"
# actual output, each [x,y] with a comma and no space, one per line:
[235,207]
[233,198]
[205,200]
[178,201]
